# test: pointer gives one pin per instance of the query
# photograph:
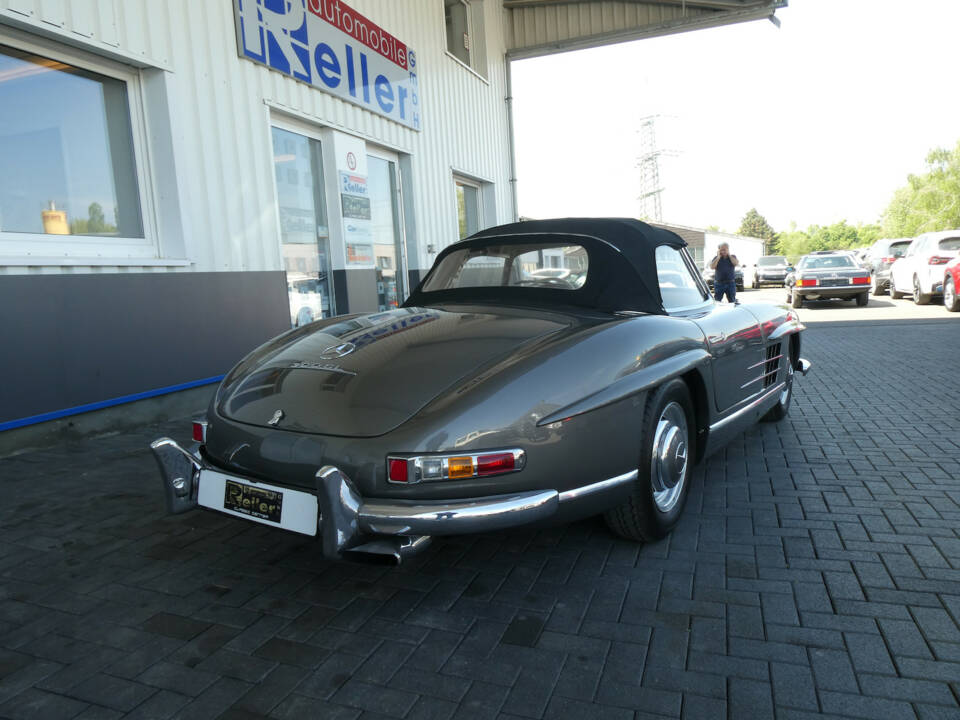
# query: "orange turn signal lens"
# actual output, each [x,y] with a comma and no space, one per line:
[460,467]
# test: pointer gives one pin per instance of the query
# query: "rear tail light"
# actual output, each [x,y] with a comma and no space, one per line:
[807,282]
[939,260]
[864,280]
[887,259]
[200,431]
[429,468]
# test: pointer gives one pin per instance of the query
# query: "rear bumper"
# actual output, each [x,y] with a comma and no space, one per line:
[346,521]
[842,291]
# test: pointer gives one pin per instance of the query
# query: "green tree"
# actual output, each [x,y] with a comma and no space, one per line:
[929,201]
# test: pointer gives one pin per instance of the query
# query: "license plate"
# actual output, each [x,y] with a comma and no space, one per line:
[260,502]
[253,501]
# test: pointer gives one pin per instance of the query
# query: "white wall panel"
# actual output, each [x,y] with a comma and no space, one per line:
[221,104]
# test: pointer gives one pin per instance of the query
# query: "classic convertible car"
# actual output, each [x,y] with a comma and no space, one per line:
[494,397]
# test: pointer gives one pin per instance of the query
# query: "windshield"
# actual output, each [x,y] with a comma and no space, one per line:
[544,265]
[827,262]
[897,249]
[768,261]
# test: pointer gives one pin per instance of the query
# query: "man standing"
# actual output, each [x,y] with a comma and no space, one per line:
[724,279]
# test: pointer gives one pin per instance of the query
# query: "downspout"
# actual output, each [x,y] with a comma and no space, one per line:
[511,142]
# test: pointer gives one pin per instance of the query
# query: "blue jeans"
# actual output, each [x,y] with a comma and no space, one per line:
[728,288]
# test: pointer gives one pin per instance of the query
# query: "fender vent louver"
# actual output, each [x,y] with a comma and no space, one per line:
[772,366]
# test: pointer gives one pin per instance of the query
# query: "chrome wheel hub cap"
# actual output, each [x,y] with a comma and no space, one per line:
[785,395]
[948,293]
[668,470]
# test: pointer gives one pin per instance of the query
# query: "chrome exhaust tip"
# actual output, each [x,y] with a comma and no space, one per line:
[388,550]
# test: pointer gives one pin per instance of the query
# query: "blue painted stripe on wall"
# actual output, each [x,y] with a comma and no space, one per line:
[56,414]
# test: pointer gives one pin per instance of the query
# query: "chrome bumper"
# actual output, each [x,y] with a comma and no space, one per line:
[349,523]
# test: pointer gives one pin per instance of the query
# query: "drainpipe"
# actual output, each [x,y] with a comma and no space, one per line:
[511,142]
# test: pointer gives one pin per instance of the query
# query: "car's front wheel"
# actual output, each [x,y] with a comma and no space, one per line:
[876,288]
[666,461]
[893,289]
[919,297]
[951,301]
[779,411]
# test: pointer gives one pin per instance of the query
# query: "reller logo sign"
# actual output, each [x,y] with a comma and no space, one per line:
[327,44]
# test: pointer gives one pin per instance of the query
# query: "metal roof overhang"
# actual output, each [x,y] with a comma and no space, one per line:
[544,27]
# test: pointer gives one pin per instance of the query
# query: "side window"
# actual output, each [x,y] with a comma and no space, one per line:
[465,33]
[678,286]
[469,207]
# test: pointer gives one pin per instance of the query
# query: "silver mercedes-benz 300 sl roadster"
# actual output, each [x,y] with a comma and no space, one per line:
[541,372]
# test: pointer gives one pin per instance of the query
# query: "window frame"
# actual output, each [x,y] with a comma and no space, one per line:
[39,249]
[459,179]
[476,31]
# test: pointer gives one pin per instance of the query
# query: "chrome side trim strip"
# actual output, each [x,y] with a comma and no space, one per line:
[596,487]
[774,390]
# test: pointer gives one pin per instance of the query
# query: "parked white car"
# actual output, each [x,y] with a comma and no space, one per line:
[920,271]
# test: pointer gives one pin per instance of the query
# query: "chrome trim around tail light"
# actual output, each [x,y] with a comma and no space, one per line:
[435,468]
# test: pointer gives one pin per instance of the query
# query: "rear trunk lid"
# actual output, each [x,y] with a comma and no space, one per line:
[365,376]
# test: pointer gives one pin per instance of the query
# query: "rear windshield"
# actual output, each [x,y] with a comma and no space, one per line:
[767,261]
[950,243]
[831,261]
[897,249]
[543,265]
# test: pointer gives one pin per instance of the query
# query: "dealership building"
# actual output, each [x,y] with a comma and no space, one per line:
[182,180]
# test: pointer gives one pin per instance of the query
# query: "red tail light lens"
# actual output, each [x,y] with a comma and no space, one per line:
[887,259]
[938,260]
[200,431]
[862,280]
[430,468]
[495,464]
[807,282]
[398,470]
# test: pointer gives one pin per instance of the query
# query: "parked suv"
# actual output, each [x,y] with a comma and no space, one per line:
[770,269]
[920,271]
[878,259]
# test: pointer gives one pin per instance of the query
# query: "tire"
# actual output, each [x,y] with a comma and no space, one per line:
[919,297]
[862,299]
[661,488]
[779,411]
[893,291]
[951,301]
[875,287]
[796,299]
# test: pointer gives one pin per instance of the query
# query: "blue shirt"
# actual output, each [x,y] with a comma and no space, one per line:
[725,273]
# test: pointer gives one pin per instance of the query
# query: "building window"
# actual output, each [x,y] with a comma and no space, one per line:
[469,207]
[465,35]
[69,168]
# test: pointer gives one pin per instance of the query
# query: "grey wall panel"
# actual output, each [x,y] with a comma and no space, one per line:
[72,340]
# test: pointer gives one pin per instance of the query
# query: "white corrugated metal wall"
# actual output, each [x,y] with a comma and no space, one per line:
[218,106]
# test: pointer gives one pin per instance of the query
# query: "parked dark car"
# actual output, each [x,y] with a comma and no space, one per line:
[825,275]
[708,274]
[494,398]
[878,259]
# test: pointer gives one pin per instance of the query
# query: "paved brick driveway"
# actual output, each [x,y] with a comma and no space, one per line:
[816,570]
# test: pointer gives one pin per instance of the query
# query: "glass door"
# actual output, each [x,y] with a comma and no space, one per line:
[304,231]
[388,246]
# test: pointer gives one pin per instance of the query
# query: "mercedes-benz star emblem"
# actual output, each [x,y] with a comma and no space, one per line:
[338,351]
[277,417]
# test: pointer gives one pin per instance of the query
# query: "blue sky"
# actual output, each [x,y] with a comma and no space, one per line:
[815,122]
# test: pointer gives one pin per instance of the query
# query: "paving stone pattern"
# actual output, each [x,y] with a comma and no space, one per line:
[815,572]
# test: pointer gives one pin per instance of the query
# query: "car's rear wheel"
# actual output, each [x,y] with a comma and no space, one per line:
[796,299]
[862,299]
[919,297]
[951,301]
[666,461]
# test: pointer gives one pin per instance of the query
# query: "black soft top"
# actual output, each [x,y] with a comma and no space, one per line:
[622,271]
